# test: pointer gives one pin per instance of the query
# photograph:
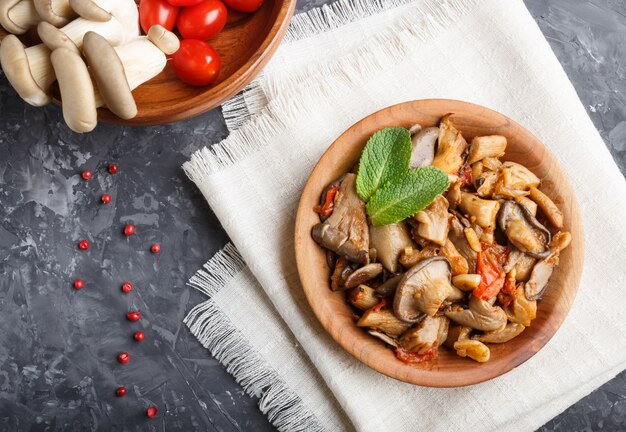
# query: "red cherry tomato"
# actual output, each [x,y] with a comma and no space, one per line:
[203,21]
[184,2]
[153,12]
[244,5]
[196,62]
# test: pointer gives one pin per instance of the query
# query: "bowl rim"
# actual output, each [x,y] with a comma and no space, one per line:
[400,371]
[225,89]
[203,103]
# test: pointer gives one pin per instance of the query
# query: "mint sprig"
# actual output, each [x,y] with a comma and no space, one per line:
[385,158]
[408,195]
[392,192]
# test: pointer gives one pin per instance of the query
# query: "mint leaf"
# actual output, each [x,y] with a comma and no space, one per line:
[385,159]
[407,195]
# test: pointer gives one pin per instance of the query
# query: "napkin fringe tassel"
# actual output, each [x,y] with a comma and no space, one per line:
[216,332]
[437,14]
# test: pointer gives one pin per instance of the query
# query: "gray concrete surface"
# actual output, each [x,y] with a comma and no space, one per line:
[58,346]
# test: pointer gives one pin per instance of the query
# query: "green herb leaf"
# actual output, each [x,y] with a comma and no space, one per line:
[384,160]
[406,196]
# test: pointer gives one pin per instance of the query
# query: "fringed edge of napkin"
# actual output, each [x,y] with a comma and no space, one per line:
[218,334]
[438,14]
[355,68]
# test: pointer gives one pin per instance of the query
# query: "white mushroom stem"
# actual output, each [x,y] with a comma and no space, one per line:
[120,29]
[28,70]
[142,61]
[17,16]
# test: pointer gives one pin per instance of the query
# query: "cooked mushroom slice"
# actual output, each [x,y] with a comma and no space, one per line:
[433,221]
[528,203]
[456,333]
[390,241]
[477,170]
[431,332]
[422,289]
[514,256]
[539,277]
[54,38]
[17,16]
[560,241]
[89,10]
[480,315]
[423,144]
[483,211]
[521,310]
[452,145]
[346,231]
[55,12]
[164,39]
[388,288]
[383,320]
[473,349]
[363,297]
[491,163]
[340,274]
[384,337]
[17,61]
[554,215]
[459,240]
[79,104]
[486,146]
[456,295]
[415,129]
[524,267]
[472,239]
[453,195]
[466,282]
[410,256]
[108,71]
[516,176]
[486,184]
[363,274]
[458,263]
[523,230]
[509,332]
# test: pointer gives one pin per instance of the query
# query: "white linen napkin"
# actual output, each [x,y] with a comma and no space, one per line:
[258,322]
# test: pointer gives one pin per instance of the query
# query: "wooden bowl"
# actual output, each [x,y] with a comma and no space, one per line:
[336,315]
[245,45]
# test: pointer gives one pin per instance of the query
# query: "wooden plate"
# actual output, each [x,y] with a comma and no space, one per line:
[245,45]
[449,370]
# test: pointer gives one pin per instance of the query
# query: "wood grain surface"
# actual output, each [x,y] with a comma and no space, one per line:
[336,315]
[245,45]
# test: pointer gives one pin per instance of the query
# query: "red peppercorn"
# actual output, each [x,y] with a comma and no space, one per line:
[83,245]
[127,287]
[151,412]
[123,357]
[129,230]
[155,248]
[113,168]
[79,284]
[133,316]
[106,198]
[87,174]
[139,336]
[120,391]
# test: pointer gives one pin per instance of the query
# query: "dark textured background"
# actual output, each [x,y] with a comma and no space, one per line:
[58,346]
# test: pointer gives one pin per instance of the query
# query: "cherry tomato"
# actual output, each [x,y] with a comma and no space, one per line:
[203,21]
[244,5]
[153,12]
[184,2]
[196,62]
